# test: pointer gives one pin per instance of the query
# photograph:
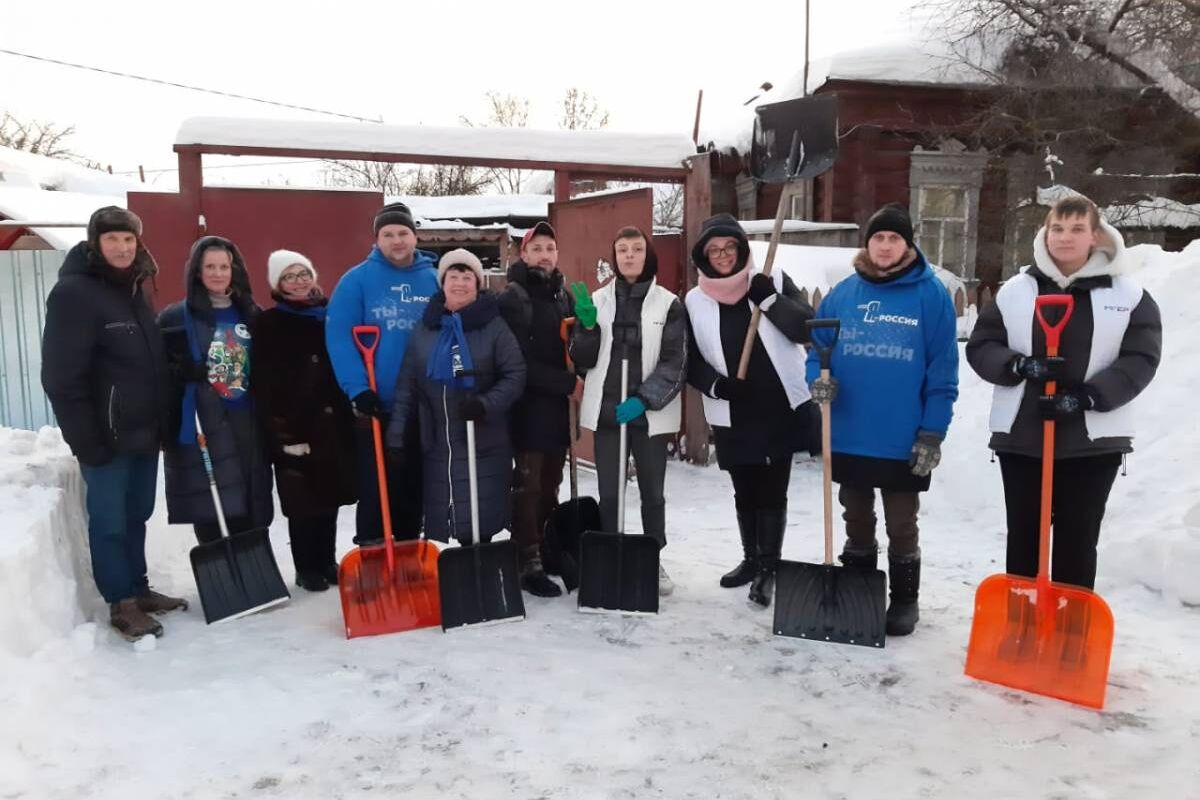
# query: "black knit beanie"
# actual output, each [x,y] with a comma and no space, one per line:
[892,217]
[720,225]
[394,214]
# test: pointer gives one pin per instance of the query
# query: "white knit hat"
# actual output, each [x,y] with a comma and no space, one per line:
[280,260]
[461,257]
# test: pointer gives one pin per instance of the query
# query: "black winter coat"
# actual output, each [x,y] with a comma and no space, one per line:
[499,381]
[765,428]
[534,305]
[235,440]
[103,365]
[299,402]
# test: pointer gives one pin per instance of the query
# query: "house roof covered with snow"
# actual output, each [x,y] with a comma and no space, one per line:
[497,206]
[18,168]
[597,149]
[28,204]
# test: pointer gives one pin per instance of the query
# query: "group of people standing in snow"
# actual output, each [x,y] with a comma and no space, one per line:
[286,389]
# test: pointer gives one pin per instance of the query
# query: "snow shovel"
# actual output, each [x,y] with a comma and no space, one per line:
[389,587]
[793,140]
[1031,634]
[479,584]
[236,575]
[619,571]
[569,520]
[824,602]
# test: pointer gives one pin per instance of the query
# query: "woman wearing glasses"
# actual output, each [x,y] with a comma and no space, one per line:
[306,416]
[760,422]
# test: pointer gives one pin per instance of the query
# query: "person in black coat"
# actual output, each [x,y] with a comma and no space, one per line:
[761,422]
[208,338]
[105,373]
[307,418]
[534,305]
[462,328]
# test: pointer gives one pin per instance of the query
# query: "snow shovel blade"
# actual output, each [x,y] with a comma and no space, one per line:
[618,572]
[237,575]
[564,530]
[830,604]
[1058,645]
[480,584]
[376,600]
[794,139]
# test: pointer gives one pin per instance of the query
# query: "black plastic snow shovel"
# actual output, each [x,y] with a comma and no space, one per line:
[822,601]
[478,584]
[619,571]
[569,520]
[793,140]
[236,575]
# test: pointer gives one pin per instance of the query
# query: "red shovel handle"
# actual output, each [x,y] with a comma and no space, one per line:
[368,354]
[1064,301]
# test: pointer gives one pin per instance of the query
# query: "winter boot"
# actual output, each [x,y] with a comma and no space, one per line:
[744,572]
[312,581]
[131,621]
[535,580]
[855,558]
[904,579]
[331,573]
[152,602]
[770,524]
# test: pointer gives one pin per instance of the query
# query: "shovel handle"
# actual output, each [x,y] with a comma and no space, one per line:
[385,506]
[785,195]
[1053,334]
[824,353]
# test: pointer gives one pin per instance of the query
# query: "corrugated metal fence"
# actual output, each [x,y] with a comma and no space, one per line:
[26,277]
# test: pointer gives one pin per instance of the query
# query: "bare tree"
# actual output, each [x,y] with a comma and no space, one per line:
[505,111]
[1154,42]
[668,206]
[440,180]
[582,111]
[386,177]
[43,138]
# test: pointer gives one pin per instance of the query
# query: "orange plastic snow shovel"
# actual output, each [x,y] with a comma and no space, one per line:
[1047,638]
[393,586]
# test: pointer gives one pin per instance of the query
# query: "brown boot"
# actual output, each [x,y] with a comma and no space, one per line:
[131,621]
[152,602]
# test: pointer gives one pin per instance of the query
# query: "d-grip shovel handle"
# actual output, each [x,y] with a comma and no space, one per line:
[385,508]
[824,353]
[1053,333]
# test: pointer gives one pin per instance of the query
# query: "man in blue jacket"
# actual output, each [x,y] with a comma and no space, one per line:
[389,289]
[893,386]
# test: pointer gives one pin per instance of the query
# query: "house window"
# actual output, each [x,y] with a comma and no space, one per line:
[944,226]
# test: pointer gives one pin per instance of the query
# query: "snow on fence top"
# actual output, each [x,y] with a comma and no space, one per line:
[599,148]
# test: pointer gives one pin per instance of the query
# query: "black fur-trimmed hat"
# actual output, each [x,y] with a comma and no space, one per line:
[110,219]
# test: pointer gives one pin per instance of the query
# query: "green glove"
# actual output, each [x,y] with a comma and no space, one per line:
[585,309]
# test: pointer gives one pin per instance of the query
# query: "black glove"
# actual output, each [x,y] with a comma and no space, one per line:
[472,409]
[732,389]
[1066,403]
[368,404]
[1038,368]
[195,371]
[761,287]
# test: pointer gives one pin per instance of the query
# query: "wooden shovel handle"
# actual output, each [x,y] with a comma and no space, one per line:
[785,196]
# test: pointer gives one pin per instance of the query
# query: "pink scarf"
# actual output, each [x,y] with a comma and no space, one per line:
[729,290]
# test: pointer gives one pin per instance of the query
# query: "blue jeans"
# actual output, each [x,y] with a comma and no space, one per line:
[120,498]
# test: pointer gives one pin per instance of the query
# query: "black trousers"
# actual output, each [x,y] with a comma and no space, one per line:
[1081,487]
[536,478]
[314,541]
[650,455]
[761,487]
[403,482]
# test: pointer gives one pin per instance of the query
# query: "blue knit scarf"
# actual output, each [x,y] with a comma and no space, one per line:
[450,362]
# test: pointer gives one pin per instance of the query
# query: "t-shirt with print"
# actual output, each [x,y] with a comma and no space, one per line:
[229,357]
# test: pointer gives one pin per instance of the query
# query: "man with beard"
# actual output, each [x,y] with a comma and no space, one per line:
[534,305]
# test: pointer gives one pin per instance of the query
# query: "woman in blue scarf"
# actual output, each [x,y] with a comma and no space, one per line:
[462,363]
[307,418]
[208,338]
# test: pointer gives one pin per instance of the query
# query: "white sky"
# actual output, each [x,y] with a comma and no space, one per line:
[409,62]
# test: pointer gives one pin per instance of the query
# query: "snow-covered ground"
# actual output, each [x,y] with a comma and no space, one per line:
[698,702]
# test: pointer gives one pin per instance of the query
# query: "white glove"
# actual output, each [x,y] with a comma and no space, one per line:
[301,449]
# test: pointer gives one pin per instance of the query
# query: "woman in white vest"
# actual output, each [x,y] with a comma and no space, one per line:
[1108,354]
[761,422]
[632,315]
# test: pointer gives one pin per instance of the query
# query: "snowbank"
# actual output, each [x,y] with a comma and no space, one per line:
[46,586]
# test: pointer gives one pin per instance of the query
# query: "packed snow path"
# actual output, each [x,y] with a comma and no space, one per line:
[698,702]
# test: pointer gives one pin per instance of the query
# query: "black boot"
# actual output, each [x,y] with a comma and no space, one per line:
[904,578]
[770,524]
[744,572]
[854,558]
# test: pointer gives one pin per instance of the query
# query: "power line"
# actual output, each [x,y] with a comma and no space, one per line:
[184,86]
[208,167]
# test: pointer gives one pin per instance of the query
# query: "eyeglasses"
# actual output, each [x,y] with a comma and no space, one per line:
[728,250]
[295,277]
